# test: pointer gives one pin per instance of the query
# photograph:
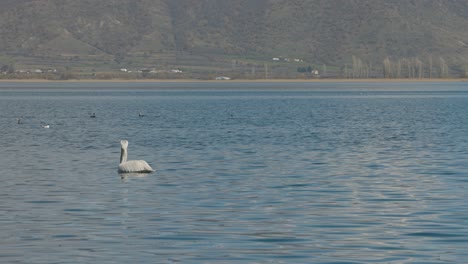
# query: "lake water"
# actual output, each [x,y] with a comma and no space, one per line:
[245,173]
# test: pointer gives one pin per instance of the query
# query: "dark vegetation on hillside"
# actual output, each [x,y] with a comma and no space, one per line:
[206,38]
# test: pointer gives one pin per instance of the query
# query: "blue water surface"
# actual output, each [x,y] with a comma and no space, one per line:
[245,173]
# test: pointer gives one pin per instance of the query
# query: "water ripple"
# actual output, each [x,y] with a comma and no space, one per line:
[280,176]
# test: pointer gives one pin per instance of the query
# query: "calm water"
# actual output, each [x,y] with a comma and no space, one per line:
[317,173]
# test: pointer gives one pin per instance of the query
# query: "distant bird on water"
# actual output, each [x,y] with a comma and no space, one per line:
[93,115]
[19,120]
[129,166]
[45,126]
[141,114]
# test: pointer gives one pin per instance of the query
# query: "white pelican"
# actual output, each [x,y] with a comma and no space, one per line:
[139,166]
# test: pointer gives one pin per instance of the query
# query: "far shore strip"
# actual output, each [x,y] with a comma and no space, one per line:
[318,80]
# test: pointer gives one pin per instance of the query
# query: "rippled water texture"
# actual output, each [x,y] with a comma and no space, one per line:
[247,173]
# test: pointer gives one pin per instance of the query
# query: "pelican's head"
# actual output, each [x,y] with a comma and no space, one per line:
[124,144]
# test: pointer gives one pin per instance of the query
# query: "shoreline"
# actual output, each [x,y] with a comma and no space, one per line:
[377,80]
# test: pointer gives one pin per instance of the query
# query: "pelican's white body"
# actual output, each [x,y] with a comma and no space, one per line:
[139,166]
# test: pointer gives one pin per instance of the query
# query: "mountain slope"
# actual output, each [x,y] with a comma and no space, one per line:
[205,32]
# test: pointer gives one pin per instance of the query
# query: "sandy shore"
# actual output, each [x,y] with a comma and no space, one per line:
[237,81]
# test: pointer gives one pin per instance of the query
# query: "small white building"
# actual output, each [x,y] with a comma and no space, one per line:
[123,70]
[276,59]
[222,78]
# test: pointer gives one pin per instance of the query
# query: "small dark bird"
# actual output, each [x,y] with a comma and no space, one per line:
[93,115]
[19,120]
[141,114]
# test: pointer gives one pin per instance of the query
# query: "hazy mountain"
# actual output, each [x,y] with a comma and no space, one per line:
[204,33]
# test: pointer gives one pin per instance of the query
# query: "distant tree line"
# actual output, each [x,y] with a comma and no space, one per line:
[7,68]
[415,68]
[304,69]
[401,68]
[359,69]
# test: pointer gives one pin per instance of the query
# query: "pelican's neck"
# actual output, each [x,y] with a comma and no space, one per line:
[123,155]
